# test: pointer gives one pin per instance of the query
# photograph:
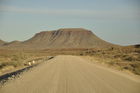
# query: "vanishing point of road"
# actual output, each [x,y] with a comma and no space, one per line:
[70,74]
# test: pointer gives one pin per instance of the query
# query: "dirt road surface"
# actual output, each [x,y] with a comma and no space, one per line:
[70,74]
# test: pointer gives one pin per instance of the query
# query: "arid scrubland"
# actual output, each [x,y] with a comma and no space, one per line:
[126,59]
[11,60]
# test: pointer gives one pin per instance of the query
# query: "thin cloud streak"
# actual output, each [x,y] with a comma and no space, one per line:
[99,14]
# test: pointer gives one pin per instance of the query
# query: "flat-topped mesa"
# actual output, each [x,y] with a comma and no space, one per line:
[64,31]
[67,38]
[64,38]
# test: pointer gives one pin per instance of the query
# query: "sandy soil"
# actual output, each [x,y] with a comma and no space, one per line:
[70,74]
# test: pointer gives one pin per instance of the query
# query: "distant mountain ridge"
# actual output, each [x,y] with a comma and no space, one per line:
[12,42]
[62,38]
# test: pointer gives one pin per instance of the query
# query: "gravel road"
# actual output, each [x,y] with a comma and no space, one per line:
[70,74]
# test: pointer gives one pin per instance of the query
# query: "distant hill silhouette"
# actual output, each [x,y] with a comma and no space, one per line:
[62,38]
[12,43]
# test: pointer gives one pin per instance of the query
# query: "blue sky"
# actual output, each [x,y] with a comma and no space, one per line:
[116,21]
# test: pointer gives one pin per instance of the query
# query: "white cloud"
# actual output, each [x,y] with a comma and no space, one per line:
[99,14]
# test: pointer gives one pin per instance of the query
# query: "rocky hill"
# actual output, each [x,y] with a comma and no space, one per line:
[63,38]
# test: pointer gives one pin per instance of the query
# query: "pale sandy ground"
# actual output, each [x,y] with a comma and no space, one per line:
[71,74]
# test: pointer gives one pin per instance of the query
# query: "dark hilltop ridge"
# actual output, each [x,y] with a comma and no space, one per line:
[66,38]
